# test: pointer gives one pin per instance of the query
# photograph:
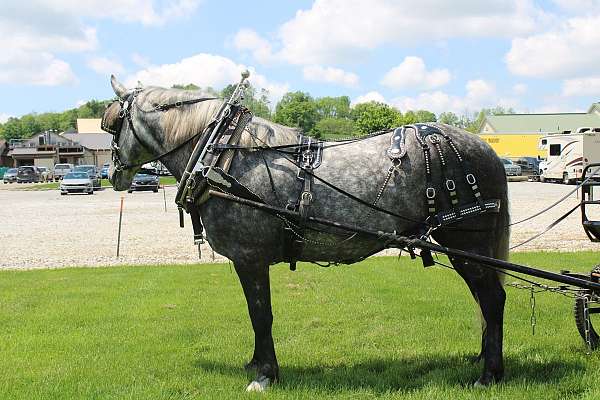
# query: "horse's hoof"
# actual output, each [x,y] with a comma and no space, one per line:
[259,385]
[480,385]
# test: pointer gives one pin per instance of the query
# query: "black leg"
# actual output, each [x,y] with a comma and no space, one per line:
[255,283]
[487,290]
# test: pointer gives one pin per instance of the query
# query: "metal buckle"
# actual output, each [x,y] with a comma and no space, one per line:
[471,179]
[450,185]
[430,193]
[434,139]
[178,103]
[307,197]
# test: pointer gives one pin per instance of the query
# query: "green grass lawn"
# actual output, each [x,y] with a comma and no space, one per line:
[384,328]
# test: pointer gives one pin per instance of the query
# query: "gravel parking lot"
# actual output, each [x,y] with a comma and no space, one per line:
[42,229]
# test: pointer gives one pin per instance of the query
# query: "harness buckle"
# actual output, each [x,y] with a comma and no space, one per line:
[434,139]
[471,179]
[430,193]
[450,185]
[307,197]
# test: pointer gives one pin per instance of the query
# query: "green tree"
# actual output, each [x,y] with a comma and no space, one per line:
[374,116]
[297,109]
[189,86]
[332,127]
[425,116]
[449,118]
[409,117]
[257,103]
[333,107]
[11,129]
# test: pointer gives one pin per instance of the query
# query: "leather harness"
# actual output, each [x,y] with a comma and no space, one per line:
[309,154]
[220,139]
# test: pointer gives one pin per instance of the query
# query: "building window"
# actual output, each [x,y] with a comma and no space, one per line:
[555,149]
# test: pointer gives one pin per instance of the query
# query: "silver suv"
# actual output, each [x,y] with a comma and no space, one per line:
[60,170]
[511,168]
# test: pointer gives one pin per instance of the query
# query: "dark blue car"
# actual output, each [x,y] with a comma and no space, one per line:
[104,171]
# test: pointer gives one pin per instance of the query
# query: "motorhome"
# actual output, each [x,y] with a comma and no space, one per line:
[568,153]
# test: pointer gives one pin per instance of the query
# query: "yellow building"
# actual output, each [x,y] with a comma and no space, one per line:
[517,135]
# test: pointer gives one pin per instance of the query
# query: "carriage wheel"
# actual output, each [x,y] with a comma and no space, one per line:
[580,322]
[579,310]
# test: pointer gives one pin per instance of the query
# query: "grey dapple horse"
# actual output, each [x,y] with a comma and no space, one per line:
[253,239]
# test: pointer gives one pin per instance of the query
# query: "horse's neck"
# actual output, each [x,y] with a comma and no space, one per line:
[264,132]
[177,161]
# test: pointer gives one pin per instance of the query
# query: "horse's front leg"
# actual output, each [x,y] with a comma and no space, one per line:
[255,282]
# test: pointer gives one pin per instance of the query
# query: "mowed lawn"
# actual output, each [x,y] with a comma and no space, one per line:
[384,328]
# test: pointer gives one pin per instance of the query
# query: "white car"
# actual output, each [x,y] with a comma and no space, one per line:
[76,182]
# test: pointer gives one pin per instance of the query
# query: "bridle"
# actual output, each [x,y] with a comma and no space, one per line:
[125,114]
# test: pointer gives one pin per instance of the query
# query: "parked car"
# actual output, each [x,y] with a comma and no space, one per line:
[529,165]
[92,171]
[60,170]
[511,168]
[144,180]
[10,175]
[104,171]
[46,174]
[76,182]
[28,174]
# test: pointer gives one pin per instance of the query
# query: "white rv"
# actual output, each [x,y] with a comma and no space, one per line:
[568,153]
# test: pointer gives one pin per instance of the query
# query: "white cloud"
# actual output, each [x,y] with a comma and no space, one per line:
[147,12]
[4,117]
[35,69]
[140,60]
[33,33]
[569,50]
[204,70]
[412,73]
[479,94]
[589,86]
[334,31]
[105,66]
[370,96]
[249,40]
[520,89]
[317,73]
[577,6]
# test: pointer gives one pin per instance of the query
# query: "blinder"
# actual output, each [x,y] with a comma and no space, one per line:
[112,119]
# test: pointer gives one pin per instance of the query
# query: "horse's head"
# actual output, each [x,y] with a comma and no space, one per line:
[128,150]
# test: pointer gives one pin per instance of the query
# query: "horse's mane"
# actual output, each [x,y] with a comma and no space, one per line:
[180,123]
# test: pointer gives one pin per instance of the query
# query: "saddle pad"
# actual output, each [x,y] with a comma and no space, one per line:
[111,121]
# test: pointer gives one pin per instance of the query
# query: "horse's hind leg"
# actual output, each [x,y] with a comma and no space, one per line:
[486,287]
[255,283]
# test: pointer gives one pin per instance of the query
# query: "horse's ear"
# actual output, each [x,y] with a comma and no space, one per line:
[118,88]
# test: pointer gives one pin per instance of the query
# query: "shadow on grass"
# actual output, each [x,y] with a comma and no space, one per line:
[406,374]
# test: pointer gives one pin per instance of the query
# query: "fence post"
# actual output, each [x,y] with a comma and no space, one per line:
[120,221]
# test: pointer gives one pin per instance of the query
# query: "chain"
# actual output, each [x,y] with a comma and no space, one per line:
[533,317]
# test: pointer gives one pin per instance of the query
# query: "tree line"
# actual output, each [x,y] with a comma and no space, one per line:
[321,117]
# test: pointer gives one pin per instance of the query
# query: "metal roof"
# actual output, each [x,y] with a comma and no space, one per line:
[29,151]
[91,141]
[541,123]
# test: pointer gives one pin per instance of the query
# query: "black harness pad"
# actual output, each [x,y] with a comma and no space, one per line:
[219,179]
[112,121]
[397,148]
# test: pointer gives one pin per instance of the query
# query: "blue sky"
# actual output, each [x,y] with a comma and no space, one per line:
[456,56]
